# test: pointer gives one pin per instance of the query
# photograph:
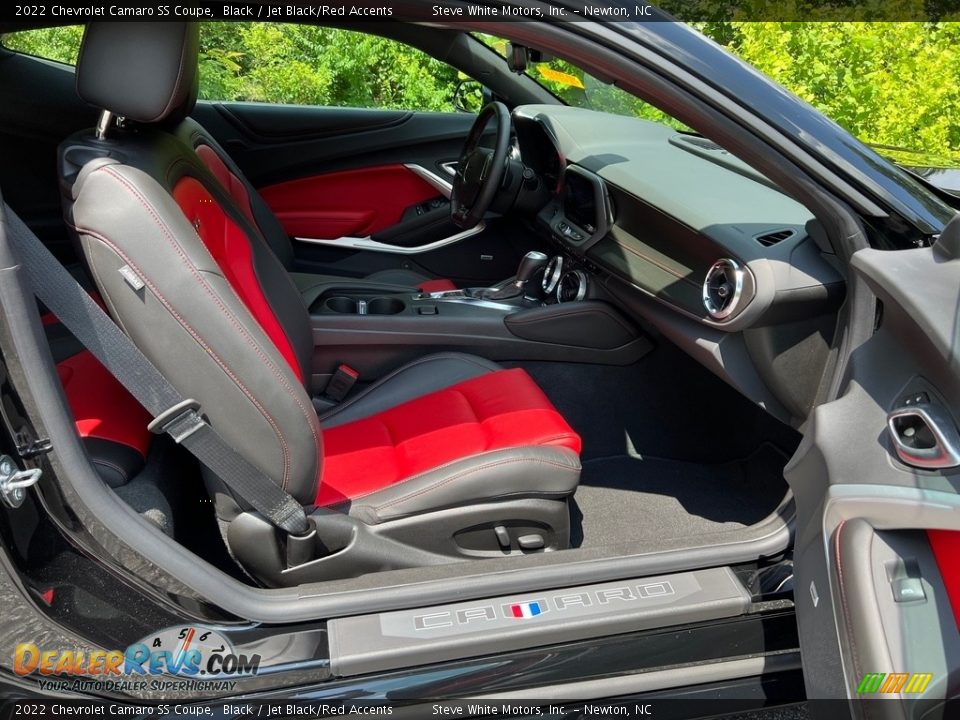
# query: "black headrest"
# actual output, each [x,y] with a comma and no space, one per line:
[144,71]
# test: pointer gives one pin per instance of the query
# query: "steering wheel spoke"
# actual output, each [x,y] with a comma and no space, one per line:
[480,171]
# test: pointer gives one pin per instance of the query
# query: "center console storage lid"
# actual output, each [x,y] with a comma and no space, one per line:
[587,324]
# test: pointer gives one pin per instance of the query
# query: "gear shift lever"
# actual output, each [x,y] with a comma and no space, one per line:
[529,264]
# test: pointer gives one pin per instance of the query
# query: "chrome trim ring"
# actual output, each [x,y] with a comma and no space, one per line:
[580,278]
[551,275]
[734,273]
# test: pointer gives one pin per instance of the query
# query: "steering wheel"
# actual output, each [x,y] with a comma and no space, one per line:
[480,170]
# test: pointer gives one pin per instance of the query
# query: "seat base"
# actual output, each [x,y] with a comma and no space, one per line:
[347,547]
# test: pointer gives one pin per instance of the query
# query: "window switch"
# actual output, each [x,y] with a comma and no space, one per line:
[908,589]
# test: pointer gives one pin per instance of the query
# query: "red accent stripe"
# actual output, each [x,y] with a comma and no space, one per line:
[234,186]
[230,247]
[352,203]
[517,611]
[431,286]
[492,412]
[946,550]
[102,408]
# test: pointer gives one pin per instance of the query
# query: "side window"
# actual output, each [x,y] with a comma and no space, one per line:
[61,44]
[311,65]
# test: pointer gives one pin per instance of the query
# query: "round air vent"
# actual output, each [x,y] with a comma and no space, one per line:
[722,288]
[572,286]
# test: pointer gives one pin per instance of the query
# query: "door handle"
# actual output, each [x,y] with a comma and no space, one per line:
[924,436]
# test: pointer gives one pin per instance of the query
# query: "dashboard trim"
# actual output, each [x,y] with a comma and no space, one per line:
[368,244]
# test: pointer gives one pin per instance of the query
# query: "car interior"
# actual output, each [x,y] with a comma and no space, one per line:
[530,335]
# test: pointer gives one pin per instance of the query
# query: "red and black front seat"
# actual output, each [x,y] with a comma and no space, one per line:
[101,38]
[450,456]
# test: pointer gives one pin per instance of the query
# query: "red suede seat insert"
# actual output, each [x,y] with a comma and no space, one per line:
[495,411]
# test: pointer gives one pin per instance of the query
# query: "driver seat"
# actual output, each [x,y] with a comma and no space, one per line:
[104,41]
[449,457]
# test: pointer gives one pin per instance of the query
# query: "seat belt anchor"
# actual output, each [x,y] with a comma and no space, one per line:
[14,482]
[179,421]
[302,548]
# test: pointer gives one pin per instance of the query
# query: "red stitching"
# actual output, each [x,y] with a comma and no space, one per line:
[176,246]
[242,330]
[176,85]
[196,336]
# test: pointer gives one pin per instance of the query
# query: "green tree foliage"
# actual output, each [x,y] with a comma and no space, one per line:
[311,65]
[60,43]
[887,83]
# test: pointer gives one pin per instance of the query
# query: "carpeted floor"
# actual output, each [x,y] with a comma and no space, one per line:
[626,499]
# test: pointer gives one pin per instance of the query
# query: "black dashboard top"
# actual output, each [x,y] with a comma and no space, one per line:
[664,207]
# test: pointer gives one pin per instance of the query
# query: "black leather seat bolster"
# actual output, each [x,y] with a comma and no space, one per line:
[524,472]
[420,377]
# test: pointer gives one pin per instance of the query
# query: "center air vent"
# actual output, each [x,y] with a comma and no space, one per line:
[722,288]
[772,238]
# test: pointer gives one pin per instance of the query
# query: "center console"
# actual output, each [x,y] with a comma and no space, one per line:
[551,310]
[528,317]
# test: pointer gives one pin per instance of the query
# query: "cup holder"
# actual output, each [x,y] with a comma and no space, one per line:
[385,306]
[373,306]
[340,304]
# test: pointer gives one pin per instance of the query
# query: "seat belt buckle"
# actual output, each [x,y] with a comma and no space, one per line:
[341,383]
[179,422]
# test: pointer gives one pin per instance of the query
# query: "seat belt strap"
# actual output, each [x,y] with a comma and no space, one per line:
[173,414]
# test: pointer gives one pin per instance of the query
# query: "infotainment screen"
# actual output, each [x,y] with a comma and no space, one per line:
[579,202]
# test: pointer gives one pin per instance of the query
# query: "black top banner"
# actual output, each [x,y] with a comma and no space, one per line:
[451,11]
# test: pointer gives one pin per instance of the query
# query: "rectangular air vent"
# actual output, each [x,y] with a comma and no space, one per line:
[772,238]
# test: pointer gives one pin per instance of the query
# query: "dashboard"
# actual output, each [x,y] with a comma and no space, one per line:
[672,228]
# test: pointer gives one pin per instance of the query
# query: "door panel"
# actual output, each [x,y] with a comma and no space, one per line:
[275,143]
[347,203]
[875,551]
[344,172]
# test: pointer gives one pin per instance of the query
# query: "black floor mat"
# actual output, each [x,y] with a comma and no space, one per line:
[626,499]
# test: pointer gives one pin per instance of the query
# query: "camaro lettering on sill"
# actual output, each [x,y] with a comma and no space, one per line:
[479,614]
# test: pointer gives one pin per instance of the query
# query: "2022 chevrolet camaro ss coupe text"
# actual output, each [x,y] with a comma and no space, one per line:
[535,400]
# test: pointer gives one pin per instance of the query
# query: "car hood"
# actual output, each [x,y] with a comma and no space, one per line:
[940,171]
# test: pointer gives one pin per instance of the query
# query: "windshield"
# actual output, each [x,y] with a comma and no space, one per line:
[574,86]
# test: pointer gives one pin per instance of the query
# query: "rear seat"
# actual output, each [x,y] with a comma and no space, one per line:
[111,423]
